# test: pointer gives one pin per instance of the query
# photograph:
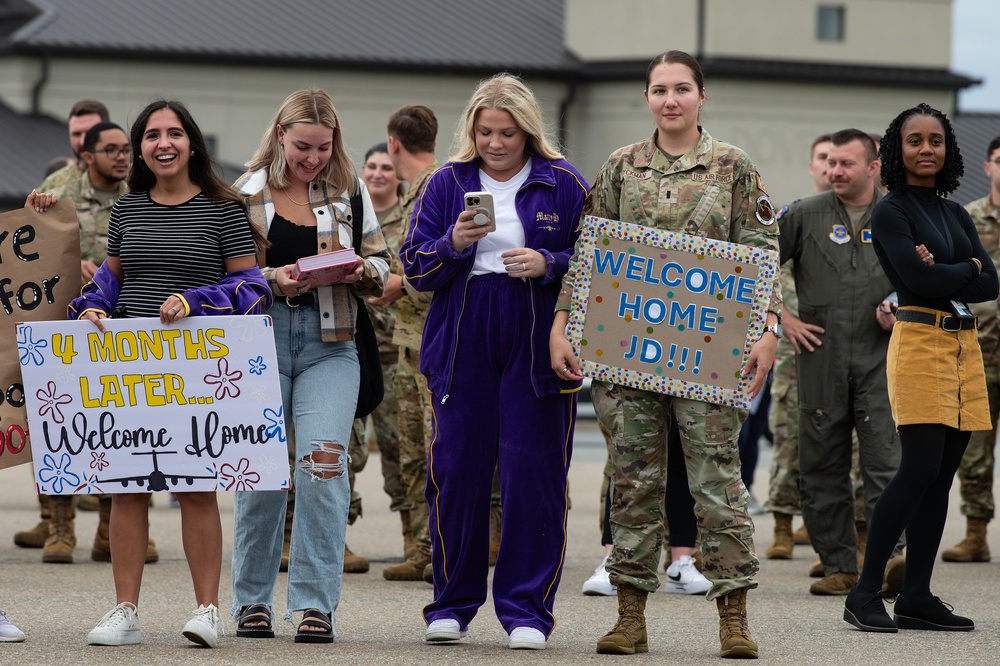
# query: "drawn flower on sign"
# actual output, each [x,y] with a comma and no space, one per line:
[257,366]
[50,401]
[259,394]
[30,349]
[90,484]
[266,463]
[225,380]
[98,461]
[59,475]
[66,375]
[248,327]
[239,477]
[277,423]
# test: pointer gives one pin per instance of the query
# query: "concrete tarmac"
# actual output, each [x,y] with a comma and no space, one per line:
[379,622]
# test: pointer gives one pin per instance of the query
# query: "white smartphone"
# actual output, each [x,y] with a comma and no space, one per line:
[482,203]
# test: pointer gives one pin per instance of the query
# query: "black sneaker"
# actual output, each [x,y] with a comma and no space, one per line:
[866,611]
[930,614]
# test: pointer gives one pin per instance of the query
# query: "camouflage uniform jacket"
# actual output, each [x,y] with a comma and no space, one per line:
[713,191]
[412,310]
[383,316]
[93,214]
[986,216]
[61,177]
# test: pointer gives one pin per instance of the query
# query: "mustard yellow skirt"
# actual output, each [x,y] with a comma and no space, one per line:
[936,376]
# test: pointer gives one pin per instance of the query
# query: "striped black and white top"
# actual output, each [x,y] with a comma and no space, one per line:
[166,250]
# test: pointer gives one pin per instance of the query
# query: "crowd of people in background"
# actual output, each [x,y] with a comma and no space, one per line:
[884,385]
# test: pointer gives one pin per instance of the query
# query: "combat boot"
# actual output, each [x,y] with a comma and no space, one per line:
[973,548]
[354,563]
[410,550]
[62,536]
[782,547]
[36,536]
[629,634]
[411,569]
[734,631]
[801,537]
[495,520]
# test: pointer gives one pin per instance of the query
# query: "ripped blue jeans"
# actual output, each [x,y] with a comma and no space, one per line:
[319,388]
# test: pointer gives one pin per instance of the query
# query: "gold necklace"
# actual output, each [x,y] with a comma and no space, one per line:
[297,203]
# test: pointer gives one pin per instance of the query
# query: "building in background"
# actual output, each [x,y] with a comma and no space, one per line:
[778,72]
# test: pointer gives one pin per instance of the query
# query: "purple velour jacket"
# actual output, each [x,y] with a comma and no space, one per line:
[549,204]
[240,292]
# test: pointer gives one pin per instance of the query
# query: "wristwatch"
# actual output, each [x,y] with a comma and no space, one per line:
[773,328]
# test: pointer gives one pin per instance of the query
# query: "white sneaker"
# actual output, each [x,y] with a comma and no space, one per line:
[526,638]
[204,628]
[119,627]
[599,584]
[444,630]
[8,632]
[683,577]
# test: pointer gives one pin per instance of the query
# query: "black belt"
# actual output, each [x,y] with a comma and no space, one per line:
[296,301]
[946,322]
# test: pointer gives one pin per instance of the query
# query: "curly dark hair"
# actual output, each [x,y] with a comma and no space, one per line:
[891,153]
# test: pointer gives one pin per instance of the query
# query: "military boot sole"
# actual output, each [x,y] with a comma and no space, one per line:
[739,652]
[778,553]
[614,647]
[57,558]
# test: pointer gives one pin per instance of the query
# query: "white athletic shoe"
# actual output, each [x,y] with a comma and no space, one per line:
[599,584]
[120,626]
[439,631]
[8,632]
[204,628]
[526,638]
[683,577]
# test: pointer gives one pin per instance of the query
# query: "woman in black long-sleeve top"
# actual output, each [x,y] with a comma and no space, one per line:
[929,249]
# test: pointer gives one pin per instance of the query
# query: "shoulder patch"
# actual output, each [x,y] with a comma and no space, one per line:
[781,213]
[765,211]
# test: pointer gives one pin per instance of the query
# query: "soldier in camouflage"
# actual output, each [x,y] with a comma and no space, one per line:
[386,192]
[412,132]
[975,475]
[85,114]
[680,180]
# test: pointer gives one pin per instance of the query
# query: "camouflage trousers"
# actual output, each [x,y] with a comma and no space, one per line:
[975,474]
[384,427]
[639,421]
[783,487]
[414,409]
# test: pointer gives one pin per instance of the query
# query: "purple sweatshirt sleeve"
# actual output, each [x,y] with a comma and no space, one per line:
[239,292]
[100,294]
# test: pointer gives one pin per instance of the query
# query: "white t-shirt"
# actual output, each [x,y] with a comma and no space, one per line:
[509,233]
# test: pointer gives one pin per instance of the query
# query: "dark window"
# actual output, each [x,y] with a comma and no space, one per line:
[830,23]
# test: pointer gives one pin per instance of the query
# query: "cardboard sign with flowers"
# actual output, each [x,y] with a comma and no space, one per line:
[194,406]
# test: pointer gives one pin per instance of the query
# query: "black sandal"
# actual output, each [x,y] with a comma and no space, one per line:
[315,618]
[253,614]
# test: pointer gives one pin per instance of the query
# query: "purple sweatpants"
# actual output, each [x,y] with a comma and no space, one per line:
[491,419]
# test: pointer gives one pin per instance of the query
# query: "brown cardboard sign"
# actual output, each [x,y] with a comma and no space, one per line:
[668,312]
[39,276]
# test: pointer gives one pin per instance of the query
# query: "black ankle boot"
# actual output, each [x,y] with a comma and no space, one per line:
[866,611]
[930,614]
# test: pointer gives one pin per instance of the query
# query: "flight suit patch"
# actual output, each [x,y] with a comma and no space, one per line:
[839,234]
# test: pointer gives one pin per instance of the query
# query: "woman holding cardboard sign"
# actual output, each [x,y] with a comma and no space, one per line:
[299,191]
[485,355]
[175,201]
[679,180]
